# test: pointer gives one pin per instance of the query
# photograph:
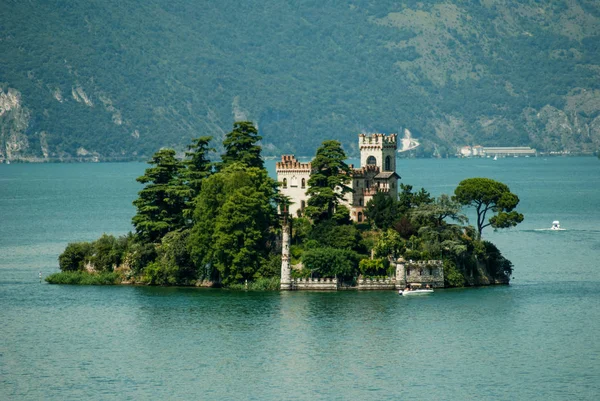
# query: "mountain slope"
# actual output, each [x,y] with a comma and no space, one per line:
[113,79]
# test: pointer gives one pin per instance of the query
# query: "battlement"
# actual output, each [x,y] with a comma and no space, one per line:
[388,283]
[364,170]
[377,139]
[424,263]
[373,190]
[289,162]
[320,284]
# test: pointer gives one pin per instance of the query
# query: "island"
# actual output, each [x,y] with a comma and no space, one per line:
[321,225]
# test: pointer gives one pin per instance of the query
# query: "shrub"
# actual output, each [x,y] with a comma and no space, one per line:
[74,257]
[259,284]
[157,273]
[84,278]
[373,267]
[452,276]
[330,262]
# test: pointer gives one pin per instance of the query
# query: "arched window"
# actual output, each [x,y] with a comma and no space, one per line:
[360,202]
[371,160]
[387,163]
[294,182]
[285,182]
[360,217]
[303,183]
[302,205]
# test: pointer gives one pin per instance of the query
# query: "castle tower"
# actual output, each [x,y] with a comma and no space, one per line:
[378,150]
[286,272]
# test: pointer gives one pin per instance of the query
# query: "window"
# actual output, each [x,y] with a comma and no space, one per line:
[285,182]
[371,160]
[430,271]
[302,205]
[303,183]
[360,201]
[294,182]
[360,217]
[420,272]
[387,164]
[408,271]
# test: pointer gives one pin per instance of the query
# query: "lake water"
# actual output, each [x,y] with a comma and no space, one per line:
[535,339]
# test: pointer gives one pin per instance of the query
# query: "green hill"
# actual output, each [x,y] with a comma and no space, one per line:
[120,79]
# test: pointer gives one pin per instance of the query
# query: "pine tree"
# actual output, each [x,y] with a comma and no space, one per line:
[160,204]
[240,146]
[327,182]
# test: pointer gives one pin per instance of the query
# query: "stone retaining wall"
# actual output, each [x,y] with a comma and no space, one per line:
[377,284]
[320,284]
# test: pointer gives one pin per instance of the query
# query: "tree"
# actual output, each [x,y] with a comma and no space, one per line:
[485,195]
[161,203]
[382,210]
[198,167]
[240,146]
[327,182]
[407,199]
[74,256]
[436,212]
[234,216]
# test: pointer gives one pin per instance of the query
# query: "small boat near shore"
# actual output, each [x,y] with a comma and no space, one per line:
[406,293]
[415,289]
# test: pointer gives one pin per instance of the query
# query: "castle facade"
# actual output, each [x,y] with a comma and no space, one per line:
[376,173]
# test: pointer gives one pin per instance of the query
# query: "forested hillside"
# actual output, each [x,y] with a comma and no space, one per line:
[119,79]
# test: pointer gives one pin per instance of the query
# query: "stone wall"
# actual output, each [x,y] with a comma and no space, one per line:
[377,284]
[424,272]
[315,284]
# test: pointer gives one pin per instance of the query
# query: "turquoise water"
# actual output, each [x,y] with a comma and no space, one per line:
[535,339]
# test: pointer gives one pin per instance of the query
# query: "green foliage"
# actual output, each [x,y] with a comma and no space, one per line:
[329,234]
[140,255]
[496,264]
[452,276]
[407,199]
[157,273]
[198,167]
[382,211]
[108,252]
[84,278]
[487,195]
[258,284]
[74,256]
[240,146]
[374,267]
[103,254]
[328,181]
[389,244]
[161,203]
[331,262]
[234,216]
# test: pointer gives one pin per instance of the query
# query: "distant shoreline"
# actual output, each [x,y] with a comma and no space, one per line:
[136,159]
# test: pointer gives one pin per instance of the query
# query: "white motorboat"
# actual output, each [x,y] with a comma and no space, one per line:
[406,293]
[556,226]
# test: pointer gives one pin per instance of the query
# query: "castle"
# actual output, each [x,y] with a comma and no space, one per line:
[377,173]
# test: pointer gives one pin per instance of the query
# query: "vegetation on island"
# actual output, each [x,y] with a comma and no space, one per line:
[206,223]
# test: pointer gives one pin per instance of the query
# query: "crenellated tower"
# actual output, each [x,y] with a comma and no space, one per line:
[378,150]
